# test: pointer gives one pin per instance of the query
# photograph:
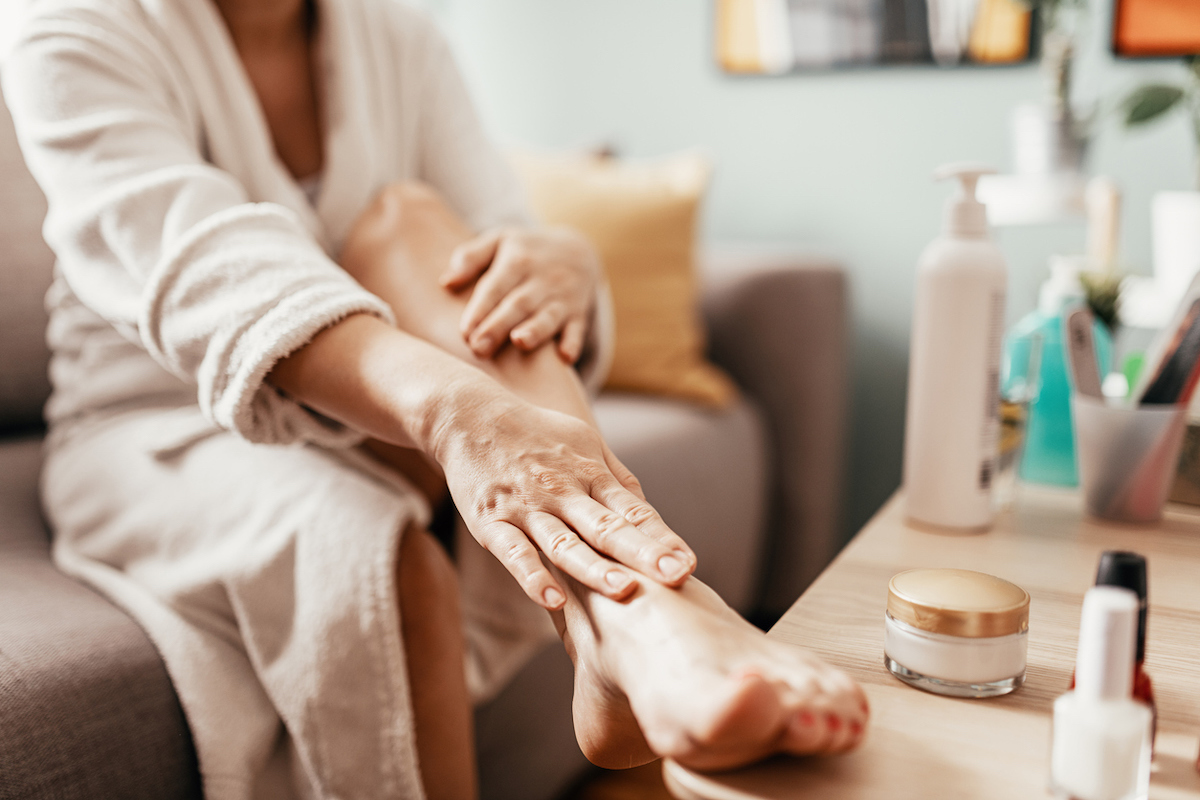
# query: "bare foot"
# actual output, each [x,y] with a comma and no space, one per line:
[677,673]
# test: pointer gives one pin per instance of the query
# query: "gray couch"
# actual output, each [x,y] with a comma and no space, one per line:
[86,708]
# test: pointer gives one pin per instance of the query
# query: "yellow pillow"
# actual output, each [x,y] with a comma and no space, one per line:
[643,219]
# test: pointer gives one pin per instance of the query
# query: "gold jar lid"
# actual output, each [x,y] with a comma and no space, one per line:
[958,602]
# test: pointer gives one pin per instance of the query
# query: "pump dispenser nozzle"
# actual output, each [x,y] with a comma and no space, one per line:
[965,215]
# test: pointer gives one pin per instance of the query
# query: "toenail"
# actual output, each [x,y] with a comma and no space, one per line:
[553,597]
[670,566]
[834,722]
[806,719]
[856,729]
[617,579]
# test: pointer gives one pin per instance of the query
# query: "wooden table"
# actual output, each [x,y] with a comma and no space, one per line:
[921,745]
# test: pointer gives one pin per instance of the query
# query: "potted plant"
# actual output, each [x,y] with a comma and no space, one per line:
[1175,216]
[1050,137]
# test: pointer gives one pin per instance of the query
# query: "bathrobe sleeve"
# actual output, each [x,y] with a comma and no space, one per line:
[164,246]
[458,158]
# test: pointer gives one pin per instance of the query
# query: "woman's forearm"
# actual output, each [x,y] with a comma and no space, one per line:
[385,383]
[525,478]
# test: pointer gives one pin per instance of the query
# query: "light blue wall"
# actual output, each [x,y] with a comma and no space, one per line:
[838,161]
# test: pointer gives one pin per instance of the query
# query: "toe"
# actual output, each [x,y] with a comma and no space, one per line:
[829,715]
[807,733]
[841,733]
[848,713]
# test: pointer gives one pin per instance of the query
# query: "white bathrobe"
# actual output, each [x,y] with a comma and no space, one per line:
[247,535]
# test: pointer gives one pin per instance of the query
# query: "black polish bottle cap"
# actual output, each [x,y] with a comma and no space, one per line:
[1127,570]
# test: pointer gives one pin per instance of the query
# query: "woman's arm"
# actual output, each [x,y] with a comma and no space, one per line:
[526,479]
[166,247]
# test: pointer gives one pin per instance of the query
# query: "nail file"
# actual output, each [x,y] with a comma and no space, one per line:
[1176,375]
[1185,398]
[1081,352]
[1166,341]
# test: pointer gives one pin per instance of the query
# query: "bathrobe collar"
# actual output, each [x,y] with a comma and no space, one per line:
[235,130]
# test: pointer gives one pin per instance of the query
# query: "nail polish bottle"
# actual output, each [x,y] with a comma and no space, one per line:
[1128,570]
[1101,740]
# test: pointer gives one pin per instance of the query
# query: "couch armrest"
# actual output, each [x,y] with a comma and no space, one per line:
[777,323]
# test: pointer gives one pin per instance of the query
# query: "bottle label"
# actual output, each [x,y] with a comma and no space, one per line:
[990,435]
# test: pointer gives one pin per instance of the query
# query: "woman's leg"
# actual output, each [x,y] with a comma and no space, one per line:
[433,647]
[670,671]
[398,250]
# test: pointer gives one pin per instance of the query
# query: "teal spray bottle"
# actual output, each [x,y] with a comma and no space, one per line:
[1049,456]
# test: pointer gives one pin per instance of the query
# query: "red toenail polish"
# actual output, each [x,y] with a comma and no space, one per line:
[834,723]
[806,719]
[856,729]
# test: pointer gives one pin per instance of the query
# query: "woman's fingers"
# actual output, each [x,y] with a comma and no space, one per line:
[512,548]
[570,343]
[621,472]
[570,554]
[632,505]
[637,511]
[531,286]
[497,282]
[470,259]
[612,534]
[514,309]
[541,327]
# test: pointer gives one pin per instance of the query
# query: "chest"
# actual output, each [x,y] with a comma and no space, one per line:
[286,82]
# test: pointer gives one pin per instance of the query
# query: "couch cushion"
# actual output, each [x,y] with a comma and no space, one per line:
[25,271]
[86,708]
[643,218]
[706,473]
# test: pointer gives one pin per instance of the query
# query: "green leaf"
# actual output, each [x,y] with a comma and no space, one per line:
[1148,102]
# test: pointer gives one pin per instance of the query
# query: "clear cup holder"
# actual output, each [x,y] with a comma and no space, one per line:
[1127,457]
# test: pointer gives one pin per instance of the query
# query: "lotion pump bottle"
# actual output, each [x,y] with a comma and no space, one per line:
[1101,740]
[951,435]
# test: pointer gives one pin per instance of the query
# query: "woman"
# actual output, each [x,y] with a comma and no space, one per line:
[297,299]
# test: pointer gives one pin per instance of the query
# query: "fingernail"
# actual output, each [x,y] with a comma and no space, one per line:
[671,566]
[553,597]
[483,343]
[834,723]
[617,579]
[685,558]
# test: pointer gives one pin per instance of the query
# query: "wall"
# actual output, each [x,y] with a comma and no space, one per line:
[838,161]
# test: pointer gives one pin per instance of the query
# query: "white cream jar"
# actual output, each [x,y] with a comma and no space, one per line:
[956,632]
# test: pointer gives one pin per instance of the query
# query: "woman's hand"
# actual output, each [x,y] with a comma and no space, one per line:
[533,285]
[526,479]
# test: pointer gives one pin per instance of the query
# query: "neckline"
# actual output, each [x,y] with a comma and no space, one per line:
[311,185]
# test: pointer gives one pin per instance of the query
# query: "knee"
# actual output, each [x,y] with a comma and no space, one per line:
[396,229]
[399,207]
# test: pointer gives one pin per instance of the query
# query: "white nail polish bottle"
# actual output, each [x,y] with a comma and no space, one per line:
[1101,748]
